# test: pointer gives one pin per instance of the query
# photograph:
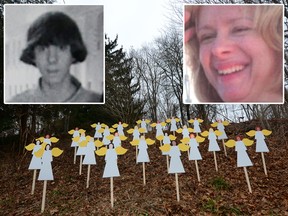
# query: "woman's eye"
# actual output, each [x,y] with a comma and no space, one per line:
[241,29]
[206,38]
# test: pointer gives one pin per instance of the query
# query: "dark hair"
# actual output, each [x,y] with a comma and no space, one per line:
[54,28]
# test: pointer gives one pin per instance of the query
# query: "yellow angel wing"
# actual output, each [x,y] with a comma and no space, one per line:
[165,148]
[56,152]
[40,152]
[266,132]
[172,137]
[200,139]
[122,137]
[163,124]
[247,142]
[183,147]
[230,143]
[191,130]
[185,140]
[138,122]
[153,125]
[160,137]
[225,123]
[142,130]
[110,137]
[218,133]
[82,131]
[147,121]
[130,131]
[179,130]
[41,139]
[168,120]
[54,139]
[150,141]
[135,142]
[191,121]
[251,133]
[200,120]
[30,147]
[98,143]
[93,125]
[71,132]
[115,125]
[120,150]
[205,133]
[112,130]
[83,143]
[75,139]
[103,125]
[124,125]
[101,152]
[214,124]
[177,119]
[101,130]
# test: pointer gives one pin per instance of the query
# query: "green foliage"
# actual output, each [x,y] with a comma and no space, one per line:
[121,86]
[219,183]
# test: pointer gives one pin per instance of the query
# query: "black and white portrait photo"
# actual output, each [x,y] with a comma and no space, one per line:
[54,54]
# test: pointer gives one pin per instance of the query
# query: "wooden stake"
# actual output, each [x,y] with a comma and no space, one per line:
[112,192]
[225,152]
[197,170]
[44,196]
[88,175]
[136,148]
[264,164]
[173,133]
[177,187]
[144,175]
[34,181]
[167,160]
[75,152]
[247,179]
[80,166]
[215,160]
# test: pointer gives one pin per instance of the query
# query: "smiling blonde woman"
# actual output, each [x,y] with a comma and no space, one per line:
[235,53]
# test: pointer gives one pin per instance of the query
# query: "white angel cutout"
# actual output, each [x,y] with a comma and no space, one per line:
[185,131]
[98,130]
[111,167]
[173,124]
[196,124]
[106,133]
[166,141]
[194,153]
[120,128]
[243,159]
[75,139]
[46,173]
[221,127]
[213,145]
[136,138]
[176,165]
[143,124]
[36,162]
[143,156]
[159,128]
[261,145]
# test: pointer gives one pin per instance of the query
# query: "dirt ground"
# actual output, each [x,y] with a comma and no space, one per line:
[218,193]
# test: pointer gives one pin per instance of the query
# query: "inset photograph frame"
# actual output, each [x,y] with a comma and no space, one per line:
[54,54]
[233,53]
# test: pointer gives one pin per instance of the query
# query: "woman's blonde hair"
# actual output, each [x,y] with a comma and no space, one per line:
[267,21]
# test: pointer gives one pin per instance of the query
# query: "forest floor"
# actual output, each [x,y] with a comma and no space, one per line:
[219,193]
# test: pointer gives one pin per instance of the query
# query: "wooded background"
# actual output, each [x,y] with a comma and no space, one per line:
[140,83]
